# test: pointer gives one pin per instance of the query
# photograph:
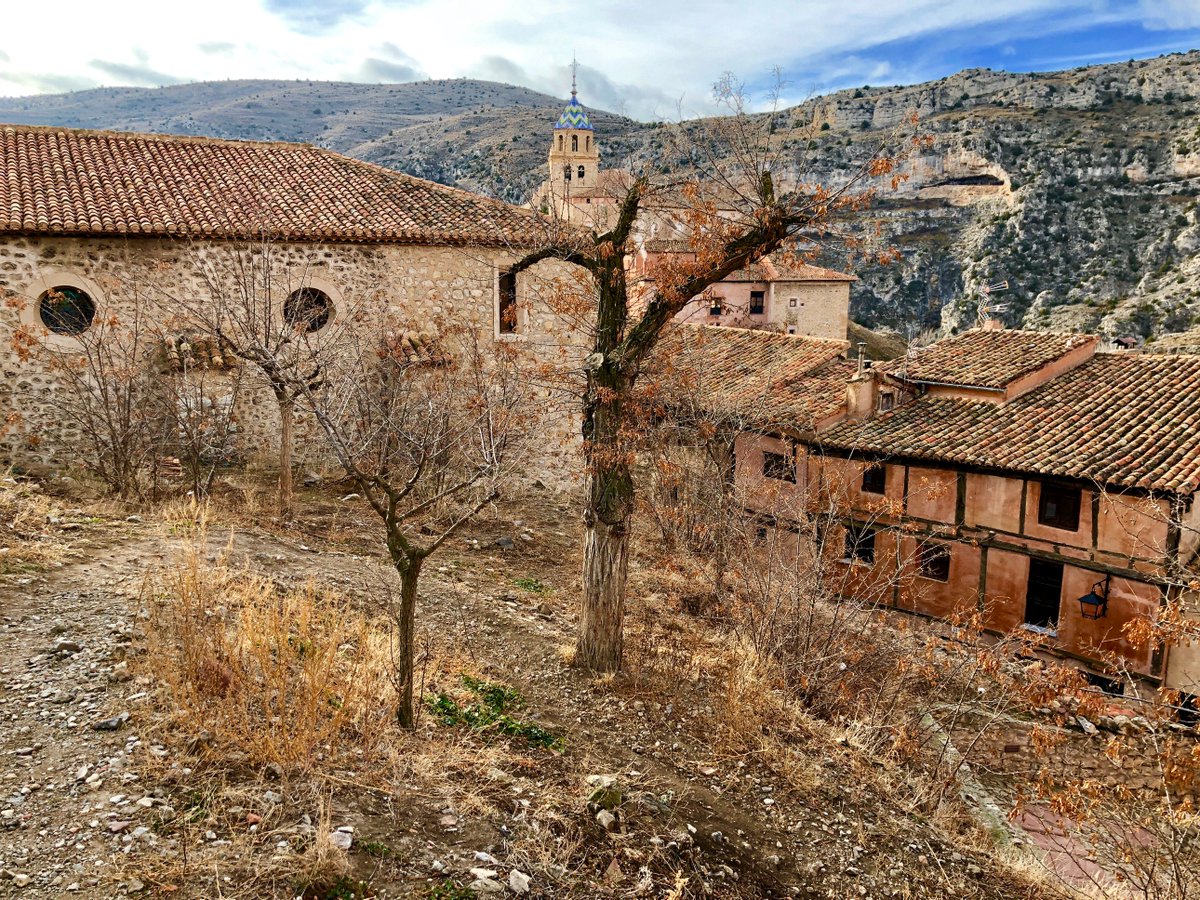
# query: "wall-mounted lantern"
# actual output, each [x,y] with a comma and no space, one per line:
[1094,604]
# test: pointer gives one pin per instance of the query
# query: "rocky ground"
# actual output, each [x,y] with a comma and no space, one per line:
[103,794]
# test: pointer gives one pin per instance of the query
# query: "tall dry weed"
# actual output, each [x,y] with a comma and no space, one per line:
[286,676]
[26,538]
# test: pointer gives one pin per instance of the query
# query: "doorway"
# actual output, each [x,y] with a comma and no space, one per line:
[1044,593]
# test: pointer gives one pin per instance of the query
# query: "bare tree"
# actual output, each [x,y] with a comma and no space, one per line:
[200,389]
[427,422]
[110,392]
[265,313]
[737,207]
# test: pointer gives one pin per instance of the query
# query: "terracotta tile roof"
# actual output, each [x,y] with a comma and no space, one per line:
[983,358]
[1123,419]
[62,181]
[761,378]
[768,270]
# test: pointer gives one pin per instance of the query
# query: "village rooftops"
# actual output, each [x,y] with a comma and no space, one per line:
[993,360]
[766,270]
[1121,419]
[71,182]
[752,378]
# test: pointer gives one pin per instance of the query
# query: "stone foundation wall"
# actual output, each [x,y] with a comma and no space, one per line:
[417,283]
[1008,747]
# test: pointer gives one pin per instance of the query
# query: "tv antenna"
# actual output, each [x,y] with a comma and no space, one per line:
[986,306]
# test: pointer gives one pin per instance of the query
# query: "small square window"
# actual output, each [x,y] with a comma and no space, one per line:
[933,561]
[757,302]
[791,329]
[792,303]
[714,306]
[779,466]
[874,480]
[887,401]
[1058,506]
[860,544]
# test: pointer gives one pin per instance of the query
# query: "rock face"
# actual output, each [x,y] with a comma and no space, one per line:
[1079,188]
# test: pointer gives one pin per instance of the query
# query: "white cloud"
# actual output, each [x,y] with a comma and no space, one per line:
[649,60]
[1159,15]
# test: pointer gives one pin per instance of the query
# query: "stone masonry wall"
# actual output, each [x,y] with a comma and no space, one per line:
[418,283]
[1008,747]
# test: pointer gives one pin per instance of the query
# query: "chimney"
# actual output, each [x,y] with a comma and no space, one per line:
[860,395]
[993,325]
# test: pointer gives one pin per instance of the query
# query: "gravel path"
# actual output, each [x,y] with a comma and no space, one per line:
[71,807]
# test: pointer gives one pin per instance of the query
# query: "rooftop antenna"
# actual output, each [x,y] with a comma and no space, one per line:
[986,306]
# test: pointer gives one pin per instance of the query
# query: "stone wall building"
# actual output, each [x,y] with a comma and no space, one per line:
[793,299]
[1021,477]
[96,225]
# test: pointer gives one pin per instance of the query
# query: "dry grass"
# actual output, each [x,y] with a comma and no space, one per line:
[27,538]
[282,676]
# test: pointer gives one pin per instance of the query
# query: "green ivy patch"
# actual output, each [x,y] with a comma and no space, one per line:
[490,710]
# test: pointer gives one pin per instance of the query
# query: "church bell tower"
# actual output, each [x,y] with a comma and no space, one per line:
[574,155]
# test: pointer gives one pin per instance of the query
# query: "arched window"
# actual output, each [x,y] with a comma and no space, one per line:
[560,142]
[567,172]
[574,143]
[581,172]
[587,143]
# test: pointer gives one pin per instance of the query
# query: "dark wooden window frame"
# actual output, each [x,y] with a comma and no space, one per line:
[506,300]
[874,479]
[933,560]
[860,544]
[1043,597]
[758,302]
[1058,505]
[779,466]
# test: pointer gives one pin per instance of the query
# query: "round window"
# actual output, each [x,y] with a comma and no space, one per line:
[308,309]
[66,310]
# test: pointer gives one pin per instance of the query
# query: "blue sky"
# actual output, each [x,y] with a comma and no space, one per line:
[650,60]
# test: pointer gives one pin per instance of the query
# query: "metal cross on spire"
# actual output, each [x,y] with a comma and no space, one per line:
[574,70]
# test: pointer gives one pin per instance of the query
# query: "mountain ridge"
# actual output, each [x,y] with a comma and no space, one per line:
[1079,187]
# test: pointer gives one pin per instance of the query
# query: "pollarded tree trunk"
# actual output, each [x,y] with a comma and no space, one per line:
[287,441]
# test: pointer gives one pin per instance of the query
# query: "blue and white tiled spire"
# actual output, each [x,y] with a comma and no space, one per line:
[574,115]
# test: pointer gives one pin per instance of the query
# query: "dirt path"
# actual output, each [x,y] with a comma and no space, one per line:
[79,820]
